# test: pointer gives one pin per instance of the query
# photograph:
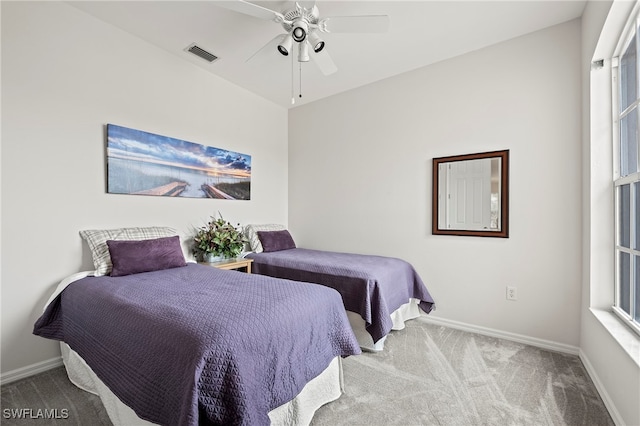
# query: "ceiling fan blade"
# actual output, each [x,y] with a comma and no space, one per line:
[251,9]
[355,24]
[307,4]
[324,62]
[271,48]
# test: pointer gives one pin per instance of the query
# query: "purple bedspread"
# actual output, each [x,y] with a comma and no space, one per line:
[372,286]
[197,345]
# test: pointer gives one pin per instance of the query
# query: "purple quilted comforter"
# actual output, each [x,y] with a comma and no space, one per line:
[197,345]
[372,286]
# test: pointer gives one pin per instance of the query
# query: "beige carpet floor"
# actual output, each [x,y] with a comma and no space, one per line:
[433,375]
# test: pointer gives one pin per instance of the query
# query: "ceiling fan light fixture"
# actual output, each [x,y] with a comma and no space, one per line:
[316,42]
[303,25]
[299,30]
[285,45]
[303,52]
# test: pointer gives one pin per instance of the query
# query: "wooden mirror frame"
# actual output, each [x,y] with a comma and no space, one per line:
[504,195]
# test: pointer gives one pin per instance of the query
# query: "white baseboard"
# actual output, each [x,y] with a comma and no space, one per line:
[520,338]
[30,370]
[602,391]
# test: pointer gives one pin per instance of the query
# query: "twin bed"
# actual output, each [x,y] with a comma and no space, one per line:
[165,341]
[379,293]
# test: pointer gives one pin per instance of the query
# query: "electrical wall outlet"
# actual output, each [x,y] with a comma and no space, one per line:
[512,293]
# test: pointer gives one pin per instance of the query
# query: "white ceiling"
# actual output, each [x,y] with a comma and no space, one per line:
[420,33]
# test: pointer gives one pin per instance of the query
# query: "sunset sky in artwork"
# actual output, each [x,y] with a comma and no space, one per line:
[131,144]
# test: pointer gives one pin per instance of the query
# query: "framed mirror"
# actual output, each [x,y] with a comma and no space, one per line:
[471,195]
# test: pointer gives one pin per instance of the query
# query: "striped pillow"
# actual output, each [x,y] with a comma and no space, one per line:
[97,241]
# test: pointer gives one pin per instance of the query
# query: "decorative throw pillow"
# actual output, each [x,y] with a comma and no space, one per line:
[97,241]
[132,257]
[251,234]
[276,240]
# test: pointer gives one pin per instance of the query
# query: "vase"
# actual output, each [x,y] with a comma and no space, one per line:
[212,258]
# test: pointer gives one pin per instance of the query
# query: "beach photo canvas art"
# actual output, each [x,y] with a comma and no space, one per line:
[143,163]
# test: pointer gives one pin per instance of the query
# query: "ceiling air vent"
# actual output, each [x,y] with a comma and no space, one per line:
[200,52]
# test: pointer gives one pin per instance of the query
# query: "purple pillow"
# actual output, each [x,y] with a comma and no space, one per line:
[134,256]
[276,240]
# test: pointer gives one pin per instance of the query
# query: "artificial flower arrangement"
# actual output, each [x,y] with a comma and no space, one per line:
[218,239]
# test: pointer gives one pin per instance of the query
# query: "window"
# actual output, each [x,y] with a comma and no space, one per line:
[627,176]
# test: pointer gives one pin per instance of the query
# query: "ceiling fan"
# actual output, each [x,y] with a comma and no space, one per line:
[303,26]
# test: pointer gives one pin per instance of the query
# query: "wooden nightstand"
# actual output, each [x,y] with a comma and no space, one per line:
[238,263]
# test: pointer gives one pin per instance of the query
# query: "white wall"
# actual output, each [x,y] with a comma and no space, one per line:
[360,179]
[64,76]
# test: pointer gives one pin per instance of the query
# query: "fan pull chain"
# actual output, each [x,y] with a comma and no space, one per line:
[293,99]
[300,70]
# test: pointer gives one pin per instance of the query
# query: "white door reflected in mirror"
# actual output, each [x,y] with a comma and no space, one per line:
[470,195]
[471,191]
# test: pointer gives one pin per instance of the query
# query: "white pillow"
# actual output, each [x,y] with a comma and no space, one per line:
[97,241]
[251,233]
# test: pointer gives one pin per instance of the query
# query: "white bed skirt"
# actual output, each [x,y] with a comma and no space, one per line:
[404,313]
[327,387]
